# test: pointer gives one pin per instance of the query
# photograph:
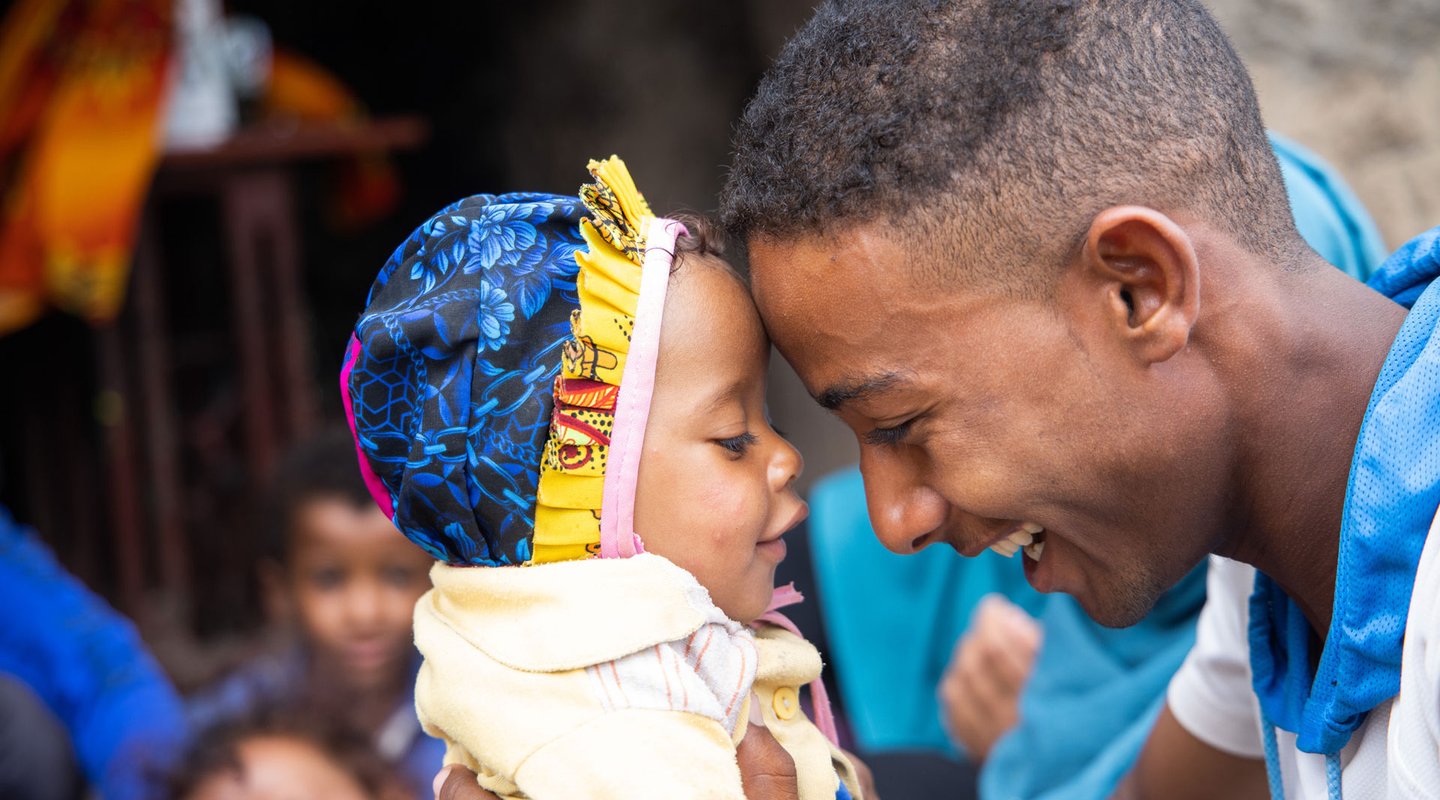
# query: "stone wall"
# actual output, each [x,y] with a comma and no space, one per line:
[1358,83]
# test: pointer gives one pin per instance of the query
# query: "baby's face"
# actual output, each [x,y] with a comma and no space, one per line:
[716,483]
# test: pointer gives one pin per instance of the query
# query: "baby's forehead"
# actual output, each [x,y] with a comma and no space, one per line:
[706,292]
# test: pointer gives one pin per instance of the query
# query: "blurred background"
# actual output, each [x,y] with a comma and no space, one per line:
[182,257]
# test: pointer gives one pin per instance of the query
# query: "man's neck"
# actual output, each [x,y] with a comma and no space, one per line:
[1318,361]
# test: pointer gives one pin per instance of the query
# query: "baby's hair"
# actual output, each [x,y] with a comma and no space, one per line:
[702,238]
[216,751]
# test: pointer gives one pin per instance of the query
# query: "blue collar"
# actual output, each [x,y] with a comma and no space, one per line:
[1393,492]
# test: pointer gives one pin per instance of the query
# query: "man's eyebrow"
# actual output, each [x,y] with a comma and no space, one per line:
[836,396]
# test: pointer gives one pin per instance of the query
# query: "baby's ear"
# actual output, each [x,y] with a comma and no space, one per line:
[275,591]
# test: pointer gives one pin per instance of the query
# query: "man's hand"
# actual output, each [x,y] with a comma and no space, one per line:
[767,772]
[457,783]
[980,691]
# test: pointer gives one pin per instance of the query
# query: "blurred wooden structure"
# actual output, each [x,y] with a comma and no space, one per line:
[153,491]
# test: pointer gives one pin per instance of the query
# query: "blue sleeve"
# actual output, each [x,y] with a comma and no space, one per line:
[88,665]
[1092,699]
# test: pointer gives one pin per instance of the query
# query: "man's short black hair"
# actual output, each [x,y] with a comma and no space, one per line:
[325,467]
[1001,127]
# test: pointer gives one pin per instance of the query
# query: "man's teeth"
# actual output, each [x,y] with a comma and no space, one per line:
[1021,539]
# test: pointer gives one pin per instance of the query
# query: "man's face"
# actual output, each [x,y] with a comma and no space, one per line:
[980,415]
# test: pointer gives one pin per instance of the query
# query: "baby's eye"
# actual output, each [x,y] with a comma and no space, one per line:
[738,444]
[889,437]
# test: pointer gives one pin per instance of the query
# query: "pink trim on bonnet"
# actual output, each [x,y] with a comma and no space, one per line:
[788,595]
[632,410]
[372,481]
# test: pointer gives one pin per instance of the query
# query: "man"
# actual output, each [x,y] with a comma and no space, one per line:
[1094,694]
[1038,256]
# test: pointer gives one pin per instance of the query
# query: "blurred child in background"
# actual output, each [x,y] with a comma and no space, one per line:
[340,576]
[291,752]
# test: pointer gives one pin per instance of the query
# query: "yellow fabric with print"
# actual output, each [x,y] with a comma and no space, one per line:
[572,472]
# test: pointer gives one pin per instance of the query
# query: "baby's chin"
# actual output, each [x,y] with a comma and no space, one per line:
[747,606]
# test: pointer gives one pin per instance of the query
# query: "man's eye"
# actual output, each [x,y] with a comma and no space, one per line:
[889,437]
[738,444]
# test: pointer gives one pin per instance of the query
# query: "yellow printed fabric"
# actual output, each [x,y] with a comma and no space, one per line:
[572,472]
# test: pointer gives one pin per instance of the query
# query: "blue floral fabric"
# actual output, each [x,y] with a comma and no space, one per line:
[454,358]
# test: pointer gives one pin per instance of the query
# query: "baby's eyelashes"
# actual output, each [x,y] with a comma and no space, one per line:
[738,445]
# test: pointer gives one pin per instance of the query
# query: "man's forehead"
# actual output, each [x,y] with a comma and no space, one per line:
[814,283]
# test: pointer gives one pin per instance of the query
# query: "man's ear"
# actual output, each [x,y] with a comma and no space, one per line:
[1150,276]
[275,589]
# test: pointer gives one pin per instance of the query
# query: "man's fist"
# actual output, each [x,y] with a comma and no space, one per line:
[980,691]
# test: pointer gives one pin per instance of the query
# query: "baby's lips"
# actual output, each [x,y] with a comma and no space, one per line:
[802,512]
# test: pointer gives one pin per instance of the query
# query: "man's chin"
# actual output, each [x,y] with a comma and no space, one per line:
[1116,609]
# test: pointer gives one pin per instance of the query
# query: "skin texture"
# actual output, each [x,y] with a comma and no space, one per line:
[979,693]
[350,583]
[281,768]
[716,485]
[1161,395]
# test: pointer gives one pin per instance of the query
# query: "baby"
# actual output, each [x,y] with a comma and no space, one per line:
[616,653]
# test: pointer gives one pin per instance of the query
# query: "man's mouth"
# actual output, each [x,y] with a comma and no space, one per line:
[1027,536]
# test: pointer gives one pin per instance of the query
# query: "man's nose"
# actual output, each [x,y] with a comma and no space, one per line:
[903,511]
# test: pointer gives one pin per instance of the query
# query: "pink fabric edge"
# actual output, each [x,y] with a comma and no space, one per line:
[637,384]
[377,489]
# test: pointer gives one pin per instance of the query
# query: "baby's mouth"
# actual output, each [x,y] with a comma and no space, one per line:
[1028,536]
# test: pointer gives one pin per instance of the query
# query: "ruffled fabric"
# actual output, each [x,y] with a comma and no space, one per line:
[587,391]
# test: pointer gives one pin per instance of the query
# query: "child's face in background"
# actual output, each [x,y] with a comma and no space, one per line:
[351,582]
[280,767]
[715,489]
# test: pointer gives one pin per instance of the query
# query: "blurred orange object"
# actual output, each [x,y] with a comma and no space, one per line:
[83,85]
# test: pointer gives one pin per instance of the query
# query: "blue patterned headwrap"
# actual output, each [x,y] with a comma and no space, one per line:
[447,378]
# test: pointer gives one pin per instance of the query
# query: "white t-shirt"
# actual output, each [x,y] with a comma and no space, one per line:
[1395,754]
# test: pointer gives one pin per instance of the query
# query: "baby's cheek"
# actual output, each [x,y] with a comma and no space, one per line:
[731,508]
